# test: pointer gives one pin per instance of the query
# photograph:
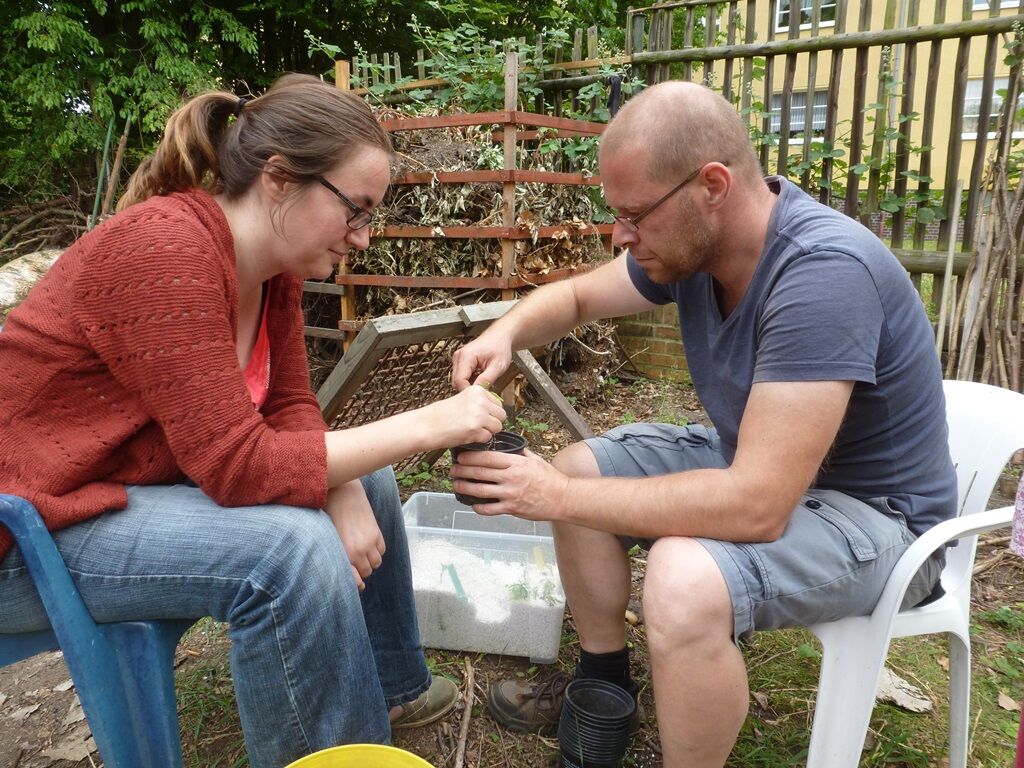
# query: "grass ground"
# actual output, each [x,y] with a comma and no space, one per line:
[783,665]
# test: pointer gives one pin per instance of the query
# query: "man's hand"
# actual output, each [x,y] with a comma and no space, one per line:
[525,486]
[357,527]
[482,360]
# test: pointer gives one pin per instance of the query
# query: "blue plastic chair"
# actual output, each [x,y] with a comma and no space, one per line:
[123,672]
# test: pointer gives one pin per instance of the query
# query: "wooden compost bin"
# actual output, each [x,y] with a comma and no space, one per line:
[513,122]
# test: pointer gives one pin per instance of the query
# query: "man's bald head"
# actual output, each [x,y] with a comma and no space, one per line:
[681,126]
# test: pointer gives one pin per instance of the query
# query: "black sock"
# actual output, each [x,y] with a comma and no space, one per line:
[612,667]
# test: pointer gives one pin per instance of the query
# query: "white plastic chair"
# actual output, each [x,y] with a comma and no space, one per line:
[986,425]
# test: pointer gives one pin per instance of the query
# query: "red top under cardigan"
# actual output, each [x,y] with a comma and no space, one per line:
[120,368]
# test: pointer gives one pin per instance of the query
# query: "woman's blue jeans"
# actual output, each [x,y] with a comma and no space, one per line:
[314,662]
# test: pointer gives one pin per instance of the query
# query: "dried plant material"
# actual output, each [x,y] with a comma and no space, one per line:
[75,713]
[1005,702]
[440,206]
[896,690]
[22,714]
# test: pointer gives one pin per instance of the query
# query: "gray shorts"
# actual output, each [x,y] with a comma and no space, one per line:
[832,560]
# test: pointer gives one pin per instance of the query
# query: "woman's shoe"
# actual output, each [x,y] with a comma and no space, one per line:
[433,704]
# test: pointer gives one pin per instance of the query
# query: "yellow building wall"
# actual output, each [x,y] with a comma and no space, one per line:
[925,13]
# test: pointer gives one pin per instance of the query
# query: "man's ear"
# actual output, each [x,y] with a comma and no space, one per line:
[717,183]
[273,182]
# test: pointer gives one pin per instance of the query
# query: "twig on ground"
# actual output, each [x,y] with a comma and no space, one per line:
[467,715]
[990,562]
[994,542]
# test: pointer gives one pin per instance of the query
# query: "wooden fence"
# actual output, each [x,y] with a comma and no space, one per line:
[876,114]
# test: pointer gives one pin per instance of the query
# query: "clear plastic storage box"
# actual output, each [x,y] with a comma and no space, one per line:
[486,584]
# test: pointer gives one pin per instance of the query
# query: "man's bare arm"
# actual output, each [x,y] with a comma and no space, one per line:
[787,430]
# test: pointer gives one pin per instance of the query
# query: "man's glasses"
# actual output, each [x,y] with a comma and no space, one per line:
[360,216]
[634,221]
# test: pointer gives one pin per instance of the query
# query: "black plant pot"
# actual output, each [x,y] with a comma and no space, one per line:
[502,442]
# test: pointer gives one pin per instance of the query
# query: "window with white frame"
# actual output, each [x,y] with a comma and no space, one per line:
[798,113]
[983,5]
[972,108]
[827,18]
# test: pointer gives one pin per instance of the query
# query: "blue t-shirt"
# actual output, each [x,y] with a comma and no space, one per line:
[828,302]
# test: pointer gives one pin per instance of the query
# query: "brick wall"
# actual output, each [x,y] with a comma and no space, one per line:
[652,341]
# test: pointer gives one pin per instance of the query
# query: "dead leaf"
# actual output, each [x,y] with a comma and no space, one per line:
[760,698]
[65,686]
[75,746]
[20,715]
[632,618]
[3,698]
[895,689]
[944,662]
[75,713]
[1007,703]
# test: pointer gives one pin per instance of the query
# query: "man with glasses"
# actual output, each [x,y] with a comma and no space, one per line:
[826,458]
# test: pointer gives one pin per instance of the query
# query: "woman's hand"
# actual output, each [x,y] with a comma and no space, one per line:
[357,527]
[472,416]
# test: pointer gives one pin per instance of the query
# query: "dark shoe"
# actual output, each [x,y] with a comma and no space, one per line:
[527,707]
[536,708]
[433,704]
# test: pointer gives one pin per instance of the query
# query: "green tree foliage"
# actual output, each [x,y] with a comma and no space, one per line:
[67,67]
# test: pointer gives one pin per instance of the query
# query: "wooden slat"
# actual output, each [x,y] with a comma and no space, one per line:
[710,31]
[881,124]
[812,76]
[688,41]
[992,47]
[547,389]
[903,142]
[748,61]
[485,177]
[973,28]
[955,146]
[769,85]
[832,107]
[786,99]
[474,232]
[458,281]
[857,131]
[311,286]
[324,333]
[508,188]
[928,121]
[577,55]
[636,36]
[732,21]
[505,117]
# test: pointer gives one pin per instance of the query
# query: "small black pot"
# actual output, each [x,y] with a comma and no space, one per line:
[502,442]
[593,731]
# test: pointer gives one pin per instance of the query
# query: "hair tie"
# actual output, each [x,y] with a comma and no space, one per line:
[239,104]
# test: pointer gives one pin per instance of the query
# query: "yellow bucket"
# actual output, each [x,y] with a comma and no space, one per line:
[361,756]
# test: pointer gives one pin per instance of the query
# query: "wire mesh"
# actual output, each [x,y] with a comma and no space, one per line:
[404,378]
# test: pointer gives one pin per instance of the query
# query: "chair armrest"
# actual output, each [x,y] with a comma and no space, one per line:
[927,544]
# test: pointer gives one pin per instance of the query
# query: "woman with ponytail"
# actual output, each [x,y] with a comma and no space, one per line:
[155,407]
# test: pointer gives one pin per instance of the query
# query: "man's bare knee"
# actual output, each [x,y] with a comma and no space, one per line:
[576,460]
[686,599]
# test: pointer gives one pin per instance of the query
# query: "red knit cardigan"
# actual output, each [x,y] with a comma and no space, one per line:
[120,368]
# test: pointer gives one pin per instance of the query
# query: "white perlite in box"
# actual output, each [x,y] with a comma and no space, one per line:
[483,590]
